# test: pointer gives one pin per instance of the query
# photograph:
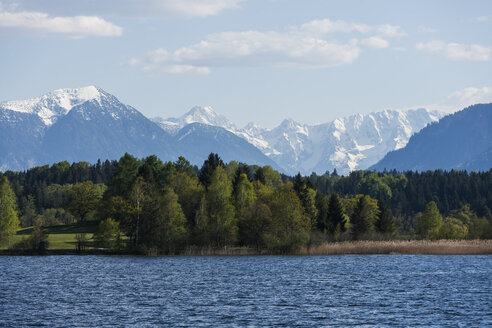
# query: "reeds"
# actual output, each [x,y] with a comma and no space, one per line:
[203,251]
[441,247]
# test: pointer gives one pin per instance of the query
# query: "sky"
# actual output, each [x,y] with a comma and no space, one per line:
[252,60]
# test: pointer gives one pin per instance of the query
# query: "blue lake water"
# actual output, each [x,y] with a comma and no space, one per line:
[367,290]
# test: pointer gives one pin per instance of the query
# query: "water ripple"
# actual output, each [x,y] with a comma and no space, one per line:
[331,291]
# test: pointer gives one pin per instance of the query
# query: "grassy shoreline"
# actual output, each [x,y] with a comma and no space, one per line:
[392,247]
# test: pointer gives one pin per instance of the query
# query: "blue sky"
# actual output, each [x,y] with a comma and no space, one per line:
[252,60]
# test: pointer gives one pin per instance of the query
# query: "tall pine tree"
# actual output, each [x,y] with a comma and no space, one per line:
[361,218]
[336,219]
[385,222]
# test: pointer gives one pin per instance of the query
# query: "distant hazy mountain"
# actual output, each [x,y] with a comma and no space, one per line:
[462,140]
[197,114]
[197,140]
[88,123]
[354,142]
[103,127]
[74,125]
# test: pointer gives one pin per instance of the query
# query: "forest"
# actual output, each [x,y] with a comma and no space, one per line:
[150,206]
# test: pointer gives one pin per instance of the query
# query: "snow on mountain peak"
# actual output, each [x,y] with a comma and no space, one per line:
[198,114]
[346,143]
[55,103]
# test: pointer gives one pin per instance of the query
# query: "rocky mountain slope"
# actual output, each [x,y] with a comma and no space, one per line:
[462,140]
[347,144]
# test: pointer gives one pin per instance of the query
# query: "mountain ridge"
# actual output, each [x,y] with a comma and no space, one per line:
[88,123]
[341,143]
[462,140]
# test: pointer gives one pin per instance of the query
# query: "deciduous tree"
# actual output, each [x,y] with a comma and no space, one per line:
[9,221]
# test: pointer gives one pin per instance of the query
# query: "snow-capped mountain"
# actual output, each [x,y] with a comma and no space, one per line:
[347,144]
[82,124]
[203,115]
[197,140]
[55,104]
[88,123]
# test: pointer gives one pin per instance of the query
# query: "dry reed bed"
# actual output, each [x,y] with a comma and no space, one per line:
[441,247]
[201,251]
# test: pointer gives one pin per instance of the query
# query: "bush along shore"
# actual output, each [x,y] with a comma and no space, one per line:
[148,207]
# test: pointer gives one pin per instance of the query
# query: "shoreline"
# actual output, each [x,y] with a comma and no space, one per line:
[391,247]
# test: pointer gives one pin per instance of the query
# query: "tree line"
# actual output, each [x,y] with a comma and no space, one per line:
[149,205]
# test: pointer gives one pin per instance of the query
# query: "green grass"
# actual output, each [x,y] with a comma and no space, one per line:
[62,237]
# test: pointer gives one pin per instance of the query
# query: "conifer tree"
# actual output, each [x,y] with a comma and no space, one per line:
[335,217]
[385,222]
[361,218]
[209,165]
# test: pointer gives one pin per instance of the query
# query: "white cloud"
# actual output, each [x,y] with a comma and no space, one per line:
[325,26]
[43,24]
[198,8]
[130,8]
[299,47]
[457,51]
[461,99]
[375,42]
[470,96]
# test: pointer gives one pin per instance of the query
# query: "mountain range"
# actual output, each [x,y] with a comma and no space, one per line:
[89,123]
[347,144]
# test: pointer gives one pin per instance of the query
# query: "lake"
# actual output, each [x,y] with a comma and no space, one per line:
[366,290]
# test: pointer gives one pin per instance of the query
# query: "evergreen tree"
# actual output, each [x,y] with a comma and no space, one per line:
[124,176]
[182,165]
[307,195]
[209,165]
[322,218]
[335,218]
[385,222]
[259,175]
[9,221]
[28,212]
[361,218]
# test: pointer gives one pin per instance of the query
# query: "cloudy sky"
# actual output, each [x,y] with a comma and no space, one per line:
[252,60]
